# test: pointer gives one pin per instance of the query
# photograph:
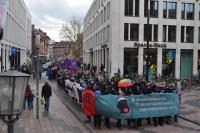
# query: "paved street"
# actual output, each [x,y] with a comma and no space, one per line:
[58,120]
[67,117]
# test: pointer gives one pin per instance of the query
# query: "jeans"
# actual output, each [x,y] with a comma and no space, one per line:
[47,103]
[25,101]
[30,102]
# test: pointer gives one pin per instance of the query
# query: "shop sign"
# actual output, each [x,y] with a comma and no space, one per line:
[154,45]
[14,51]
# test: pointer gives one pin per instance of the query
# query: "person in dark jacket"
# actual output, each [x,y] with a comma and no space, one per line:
[46,93]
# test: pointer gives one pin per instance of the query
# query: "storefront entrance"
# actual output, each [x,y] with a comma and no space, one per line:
[152,62]
[186,63]
[130,61]
[168,62]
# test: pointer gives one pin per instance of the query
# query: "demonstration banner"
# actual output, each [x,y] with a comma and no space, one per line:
[137,106]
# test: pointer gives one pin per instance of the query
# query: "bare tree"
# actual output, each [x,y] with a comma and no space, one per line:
[72,31]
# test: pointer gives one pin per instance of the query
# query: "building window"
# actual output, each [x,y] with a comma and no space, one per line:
[155,33]
[153,8]
[187,34]
[171,33]
[145,32]
[134,32]
[182,34]
[164,33]
[128,7]
[164,9]
[131,8]
[199,36]
[187,11]
[199,11]
[126,27]
[169,10]
[108,11]
[137,9]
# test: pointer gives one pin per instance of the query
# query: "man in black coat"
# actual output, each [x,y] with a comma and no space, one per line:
[46,93]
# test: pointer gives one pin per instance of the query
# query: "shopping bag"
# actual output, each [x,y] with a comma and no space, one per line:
[42,100]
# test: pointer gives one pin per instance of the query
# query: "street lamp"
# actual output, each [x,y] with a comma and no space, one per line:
[12,90]
[37,74]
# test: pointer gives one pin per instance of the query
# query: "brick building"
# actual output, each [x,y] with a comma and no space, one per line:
[63,50]
[44,42]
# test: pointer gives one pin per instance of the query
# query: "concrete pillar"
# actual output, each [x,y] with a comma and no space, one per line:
[140,60]
[177,65]
[93,58]
[106,59]
[121,60]
[97,60]
[8,55]
[102,57]
[195,61]
[159,62]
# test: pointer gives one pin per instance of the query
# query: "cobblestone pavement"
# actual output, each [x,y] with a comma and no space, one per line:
[63,114]
[58,120]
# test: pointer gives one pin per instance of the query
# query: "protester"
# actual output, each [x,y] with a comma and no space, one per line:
[46,93]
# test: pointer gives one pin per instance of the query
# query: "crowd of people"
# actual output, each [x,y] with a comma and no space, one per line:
[99,83]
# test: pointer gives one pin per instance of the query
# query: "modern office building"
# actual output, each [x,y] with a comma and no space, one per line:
[15,46]
[115,34]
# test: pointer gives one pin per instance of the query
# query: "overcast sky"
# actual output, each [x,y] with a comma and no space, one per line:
[49,15]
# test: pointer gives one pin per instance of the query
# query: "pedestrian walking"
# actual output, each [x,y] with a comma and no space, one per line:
[29,97]
[46,93]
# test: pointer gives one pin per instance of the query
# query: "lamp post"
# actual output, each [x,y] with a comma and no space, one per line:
[147,60]
[37,75]
[12,91]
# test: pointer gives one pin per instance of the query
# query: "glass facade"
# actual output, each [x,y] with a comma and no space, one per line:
[199,35]
[187,11]
[152,61]
[169,10]
[171,33]
[131,8]
[126,27]
[130,61]
[187,34]
[134,32]
[153,8]
[153,32]
[168,62]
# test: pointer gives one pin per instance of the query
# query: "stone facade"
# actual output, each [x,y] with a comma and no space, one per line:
[109,33]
